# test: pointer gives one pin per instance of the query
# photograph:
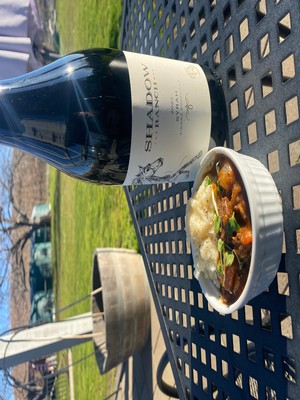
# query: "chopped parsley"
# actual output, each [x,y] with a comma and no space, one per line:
[217,223]
[207,181]
[226,255]
[232,226]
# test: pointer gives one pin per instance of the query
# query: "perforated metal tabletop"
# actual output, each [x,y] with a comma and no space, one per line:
[253,46]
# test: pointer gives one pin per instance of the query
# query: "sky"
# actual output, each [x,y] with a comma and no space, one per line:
[5,390]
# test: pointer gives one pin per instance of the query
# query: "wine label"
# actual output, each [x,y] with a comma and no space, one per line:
[171,119]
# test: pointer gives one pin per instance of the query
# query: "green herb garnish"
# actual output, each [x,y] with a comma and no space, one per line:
[228,259]
[221,246]
[217,223]
[219,270]
[232,226]
[207,181]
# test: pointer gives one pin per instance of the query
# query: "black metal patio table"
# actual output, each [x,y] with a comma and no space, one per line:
[253,46]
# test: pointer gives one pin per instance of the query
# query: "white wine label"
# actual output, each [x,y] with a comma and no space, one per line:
[171,119]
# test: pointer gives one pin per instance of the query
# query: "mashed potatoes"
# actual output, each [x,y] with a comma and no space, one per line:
[201,233]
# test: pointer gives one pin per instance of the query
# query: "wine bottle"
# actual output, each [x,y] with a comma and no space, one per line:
[113,117]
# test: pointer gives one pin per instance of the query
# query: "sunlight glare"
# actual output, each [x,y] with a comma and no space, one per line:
[70,70]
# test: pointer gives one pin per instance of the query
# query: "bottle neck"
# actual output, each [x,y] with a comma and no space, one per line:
[23,128]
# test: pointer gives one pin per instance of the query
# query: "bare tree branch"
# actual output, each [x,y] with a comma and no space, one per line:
[16,226]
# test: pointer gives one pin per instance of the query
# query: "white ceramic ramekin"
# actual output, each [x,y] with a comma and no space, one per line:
[267,227]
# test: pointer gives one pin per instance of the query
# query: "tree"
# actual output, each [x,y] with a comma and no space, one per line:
[16,225]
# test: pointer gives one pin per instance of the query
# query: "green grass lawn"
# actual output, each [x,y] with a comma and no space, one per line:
[89,23]
[85,216]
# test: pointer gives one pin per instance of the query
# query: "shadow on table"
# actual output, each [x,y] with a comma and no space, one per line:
[139,385]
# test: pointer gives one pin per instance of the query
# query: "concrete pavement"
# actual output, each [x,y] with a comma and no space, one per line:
[136,378]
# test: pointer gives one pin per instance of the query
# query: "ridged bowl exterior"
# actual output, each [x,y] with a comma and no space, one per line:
[267,227]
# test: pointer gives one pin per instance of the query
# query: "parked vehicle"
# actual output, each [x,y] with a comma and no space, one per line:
[41,273]
[40,211]
[41,257]
[42,308]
